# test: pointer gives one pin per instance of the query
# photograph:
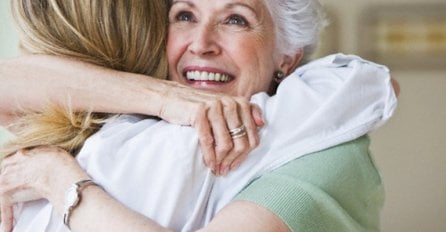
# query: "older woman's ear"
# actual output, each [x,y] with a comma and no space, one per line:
[291,62]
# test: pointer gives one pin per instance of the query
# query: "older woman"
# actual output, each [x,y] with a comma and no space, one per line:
[204,42]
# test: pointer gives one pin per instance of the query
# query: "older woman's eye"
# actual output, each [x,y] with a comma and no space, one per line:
[237,20]
[184,16]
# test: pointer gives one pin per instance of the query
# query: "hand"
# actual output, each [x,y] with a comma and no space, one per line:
[6,216]
[42,172]
[214,115]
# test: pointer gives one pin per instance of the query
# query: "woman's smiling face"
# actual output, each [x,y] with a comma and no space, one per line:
[222,45]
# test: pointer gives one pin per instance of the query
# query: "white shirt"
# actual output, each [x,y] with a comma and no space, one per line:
[156,168]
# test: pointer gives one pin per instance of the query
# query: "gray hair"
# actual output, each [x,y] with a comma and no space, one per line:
[297,24]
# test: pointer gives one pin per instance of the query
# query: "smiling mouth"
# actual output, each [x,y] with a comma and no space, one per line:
[207,76]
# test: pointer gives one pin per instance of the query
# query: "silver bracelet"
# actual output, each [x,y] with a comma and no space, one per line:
[73,197]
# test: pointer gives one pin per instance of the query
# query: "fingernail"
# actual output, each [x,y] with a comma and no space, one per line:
[225,170]
[259,117]
[212,167]
[214,172]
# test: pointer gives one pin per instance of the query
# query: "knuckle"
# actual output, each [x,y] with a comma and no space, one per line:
[223,149]
[201,107]
[207,140]
[243,101]
[208,157]
[214,103]
[238,150]
[232,106]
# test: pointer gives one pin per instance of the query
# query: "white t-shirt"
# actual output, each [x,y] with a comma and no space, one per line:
[156,168]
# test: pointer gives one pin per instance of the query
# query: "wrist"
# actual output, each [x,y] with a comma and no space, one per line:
[154,95]
[57,189]
[73,198]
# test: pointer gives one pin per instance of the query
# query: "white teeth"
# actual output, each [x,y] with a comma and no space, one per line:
[211,76]
[206,76]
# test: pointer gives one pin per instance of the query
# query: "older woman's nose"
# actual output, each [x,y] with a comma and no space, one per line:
[204,40]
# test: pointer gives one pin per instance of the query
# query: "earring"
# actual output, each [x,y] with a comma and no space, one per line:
[279,76]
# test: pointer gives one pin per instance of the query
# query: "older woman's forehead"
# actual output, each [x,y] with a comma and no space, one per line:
[256,4]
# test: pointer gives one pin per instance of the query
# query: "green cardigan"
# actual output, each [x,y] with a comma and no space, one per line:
[338,189]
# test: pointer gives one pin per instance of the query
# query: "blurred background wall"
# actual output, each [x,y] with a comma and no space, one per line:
[410,150]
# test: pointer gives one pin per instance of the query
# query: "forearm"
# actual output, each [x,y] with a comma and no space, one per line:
[32,82]
[100,212]
[97,210]
[25,176]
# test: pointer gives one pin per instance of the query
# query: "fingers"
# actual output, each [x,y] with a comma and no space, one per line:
[7,218]
[25,175]
[223,141]
[206,138]
[236,131]
[239,119]
[6,214]
[214,117]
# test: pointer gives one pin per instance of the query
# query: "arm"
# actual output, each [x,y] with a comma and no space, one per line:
[98,211]
[319,191]
[337,189]
[86,87]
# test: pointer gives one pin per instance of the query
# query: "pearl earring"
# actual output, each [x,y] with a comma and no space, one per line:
[279,76]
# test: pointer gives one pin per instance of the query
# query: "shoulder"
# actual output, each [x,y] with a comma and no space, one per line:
[337,189]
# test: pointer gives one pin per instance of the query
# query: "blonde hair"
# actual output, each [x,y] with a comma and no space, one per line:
[119,34]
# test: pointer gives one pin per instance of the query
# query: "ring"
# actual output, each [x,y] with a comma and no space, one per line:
[237,132]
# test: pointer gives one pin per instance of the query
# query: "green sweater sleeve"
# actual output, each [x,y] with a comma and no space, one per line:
[338,189]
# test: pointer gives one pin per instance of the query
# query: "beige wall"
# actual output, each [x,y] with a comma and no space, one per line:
[410,150]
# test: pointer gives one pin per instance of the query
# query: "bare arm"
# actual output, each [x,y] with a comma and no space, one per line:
[239,216]
[32,82]
[25,173]
[100,212]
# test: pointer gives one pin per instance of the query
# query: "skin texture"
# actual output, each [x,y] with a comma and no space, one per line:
[231,39]
[225,16]
[236,40]
[225,37]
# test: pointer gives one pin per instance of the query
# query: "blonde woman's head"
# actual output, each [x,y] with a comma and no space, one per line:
[127,35]
[119,34]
